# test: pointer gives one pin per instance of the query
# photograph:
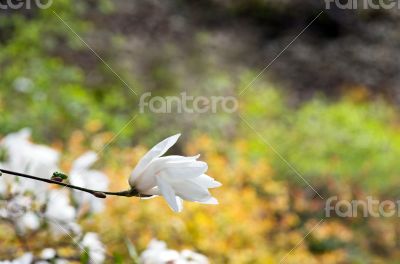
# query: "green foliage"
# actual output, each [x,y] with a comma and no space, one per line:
[41,90]
[349,141]
[85,257]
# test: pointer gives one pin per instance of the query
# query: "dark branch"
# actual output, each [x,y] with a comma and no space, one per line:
[99,194]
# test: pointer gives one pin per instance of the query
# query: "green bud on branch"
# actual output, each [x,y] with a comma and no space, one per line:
[59,175]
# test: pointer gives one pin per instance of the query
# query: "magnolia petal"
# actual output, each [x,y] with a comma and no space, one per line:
[191,191]
[206,181]
[179,201]
[177,158]
[178,171]
[157,151]
[152,191]
[168,193]
[173,171]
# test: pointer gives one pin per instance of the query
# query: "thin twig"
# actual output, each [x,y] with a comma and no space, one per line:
[100,194]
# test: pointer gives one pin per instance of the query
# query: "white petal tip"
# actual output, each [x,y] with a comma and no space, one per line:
[176,136]
[217,184]
[176,208]
[211,201]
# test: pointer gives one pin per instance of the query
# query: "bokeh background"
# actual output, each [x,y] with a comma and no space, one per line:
[328,105]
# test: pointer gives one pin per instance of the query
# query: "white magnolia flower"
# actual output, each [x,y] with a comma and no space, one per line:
[48,253]
[24,259]
[93,246]
[158,253]
[49,256]
[29,221]
[81,175]
[26,157]
[174,177]
[60,213]
[31,158]
[18,210]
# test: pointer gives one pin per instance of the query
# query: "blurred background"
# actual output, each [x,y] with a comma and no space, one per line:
[325,109]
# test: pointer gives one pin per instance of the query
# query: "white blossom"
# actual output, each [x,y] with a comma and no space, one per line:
[94,247]
[60,213]
[18,209]
[27,258]
[174,177]
[81,175]
[158,253]
[29,197]
[29,221]
[48,253]
[49,256]
[26,157]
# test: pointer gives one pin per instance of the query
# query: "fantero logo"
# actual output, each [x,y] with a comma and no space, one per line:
[362,4]
[189,104]
[24,4]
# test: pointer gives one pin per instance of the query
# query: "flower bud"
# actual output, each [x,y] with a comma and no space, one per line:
[60,175]
[100,195]
[57,179]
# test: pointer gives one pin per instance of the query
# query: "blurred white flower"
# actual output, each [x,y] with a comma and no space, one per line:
[81,175]
[23,84]
[174,177]
[49,256]
[31,158]
[16,207]
[26,157]
[29,221]
[28,195]
[48,253]
[24,259]
[58,206]
[158,253]
[18,210]
[93,246]
[191,257]
[60,213]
